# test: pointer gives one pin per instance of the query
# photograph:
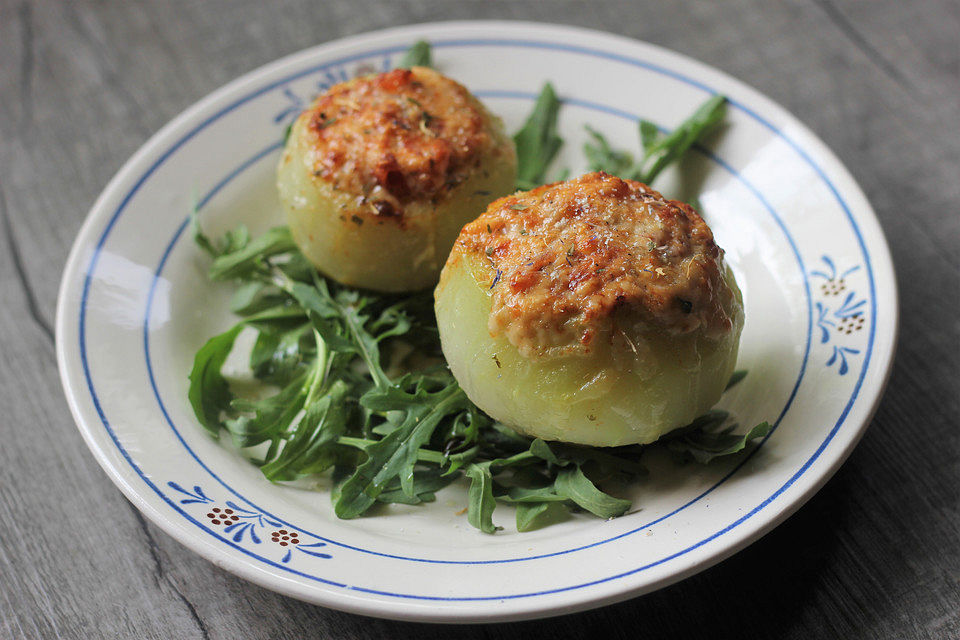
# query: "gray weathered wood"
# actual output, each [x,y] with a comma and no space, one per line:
[875,554]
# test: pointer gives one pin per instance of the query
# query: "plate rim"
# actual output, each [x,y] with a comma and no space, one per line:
[76,265]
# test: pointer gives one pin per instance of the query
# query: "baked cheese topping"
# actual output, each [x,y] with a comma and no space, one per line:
[397,137]
[596,258]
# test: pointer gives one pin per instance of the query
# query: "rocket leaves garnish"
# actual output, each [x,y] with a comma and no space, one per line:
[209,391]
[389,431]
[573,484]
[659,151]
[418,55]
[704,445]
[538,142]
[336,395]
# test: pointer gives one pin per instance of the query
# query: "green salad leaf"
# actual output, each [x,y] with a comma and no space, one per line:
[538,142]
[418,55]
[704,445]
[659,151]
[209,393]
[735,379]
[328,350]
[250,255]
[573,484]
[481,502]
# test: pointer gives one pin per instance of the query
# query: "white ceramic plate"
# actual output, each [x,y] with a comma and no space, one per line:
[809,255]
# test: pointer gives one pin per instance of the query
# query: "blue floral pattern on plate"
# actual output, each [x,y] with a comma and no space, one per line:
[837,319]
[295,102]
[246,526]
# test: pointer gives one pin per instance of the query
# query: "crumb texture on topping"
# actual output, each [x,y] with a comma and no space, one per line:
[596,258]
[396,137]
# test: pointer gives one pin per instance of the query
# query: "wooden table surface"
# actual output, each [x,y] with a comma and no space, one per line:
[875,554]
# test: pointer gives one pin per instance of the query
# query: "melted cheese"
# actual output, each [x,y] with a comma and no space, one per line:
[396,137]
[596,258]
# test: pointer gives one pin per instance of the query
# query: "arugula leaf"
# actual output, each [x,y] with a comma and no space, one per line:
[671,148]
[536,515]
[426,483]
[703,445]
[709,421]
[649,133]
[277,354]
[310,449]
[418,55]
[350,321]
[297,268]
[735,379]
[209,392]
[252,255]
[542,450]
[396,454]
[233,240]
[602,157]
[659,152]
[253,297]
[480,500]
[613,460]
[271,415]
[202,239]
[504,439]
[537,142]
[573,484]
[524,495]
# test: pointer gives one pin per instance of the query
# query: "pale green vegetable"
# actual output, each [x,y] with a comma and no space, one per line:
[393,253]
[605,398]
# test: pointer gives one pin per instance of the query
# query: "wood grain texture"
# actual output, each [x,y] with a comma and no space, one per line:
[875,554]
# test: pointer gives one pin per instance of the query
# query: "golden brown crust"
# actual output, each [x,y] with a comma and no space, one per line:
[396,137]
[570,261]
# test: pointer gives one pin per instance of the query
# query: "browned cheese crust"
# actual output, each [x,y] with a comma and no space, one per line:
[397,137]
[596,258]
